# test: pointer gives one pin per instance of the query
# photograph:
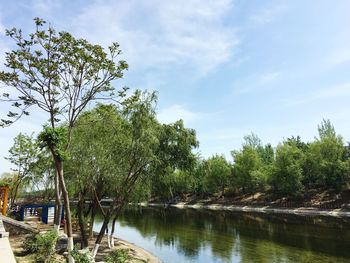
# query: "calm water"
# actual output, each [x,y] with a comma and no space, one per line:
[187,235]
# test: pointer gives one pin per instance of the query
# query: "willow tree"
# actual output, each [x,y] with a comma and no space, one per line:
[59,74]
[120,145]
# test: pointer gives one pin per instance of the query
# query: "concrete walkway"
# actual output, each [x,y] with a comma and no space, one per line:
[6,254]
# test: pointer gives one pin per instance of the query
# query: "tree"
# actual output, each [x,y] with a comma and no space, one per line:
[9,179]
[173,155]
[327,159]
[218,173]
[60,75]
[252,164]
[287,173]
[246,164]
[43,175]
[23,155]
[113,148]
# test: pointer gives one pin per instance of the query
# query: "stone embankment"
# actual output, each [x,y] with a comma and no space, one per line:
[295,211]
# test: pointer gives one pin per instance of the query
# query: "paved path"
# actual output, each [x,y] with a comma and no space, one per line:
[6,254]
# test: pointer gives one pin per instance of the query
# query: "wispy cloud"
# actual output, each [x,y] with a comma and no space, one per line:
[337,91]
[224,135]
[339,56]
[268,14]
[176,112]
[2,29]
[256,82]
[160,34]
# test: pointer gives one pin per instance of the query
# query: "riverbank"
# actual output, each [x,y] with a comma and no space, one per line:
[19,235]
[138,253]
[314,202]
[303,211]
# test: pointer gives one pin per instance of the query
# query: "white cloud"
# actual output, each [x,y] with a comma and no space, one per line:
[268,77]
[337,91]
[223,135]
[267,14]
[162,33]
[176,112]
[2,29]
[339,56]
[256,82]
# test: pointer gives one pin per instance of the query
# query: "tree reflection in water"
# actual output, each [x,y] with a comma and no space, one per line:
[224,236]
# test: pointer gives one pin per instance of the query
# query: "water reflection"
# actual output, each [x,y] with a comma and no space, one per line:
[188,235]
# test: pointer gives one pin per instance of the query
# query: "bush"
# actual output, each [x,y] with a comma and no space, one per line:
[118,256]
[81,257]
[43,246]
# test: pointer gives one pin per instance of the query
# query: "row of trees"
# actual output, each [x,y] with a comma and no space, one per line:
[114,148]
[289,169]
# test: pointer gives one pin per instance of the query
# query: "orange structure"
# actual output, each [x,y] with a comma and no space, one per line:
[4,194]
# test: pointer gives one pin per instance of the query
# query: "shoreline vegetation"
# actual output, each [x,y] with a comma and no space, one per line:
[21,231]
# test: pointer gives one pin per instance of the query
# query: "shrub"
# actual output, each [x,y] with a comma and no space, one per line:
[118,256]
[43,246]
[81,257]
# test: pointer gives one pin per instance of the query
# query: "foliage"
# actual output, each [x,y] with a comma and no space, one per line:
[252,164]
[82,256]
[325,159]
[218,174]
[43,176]
[23,154]
[42,245]
[174,159]
[247,164]
[119,256]
[6,179]
[54,138]
[286,177]
[57,73]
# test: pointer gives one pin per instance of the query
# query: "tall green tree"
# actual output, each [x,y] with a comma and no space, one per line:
[252,164]
[327,159]
[23,154]
[218,174]
[113,149]
[174,154]
[287,173]
[60,75]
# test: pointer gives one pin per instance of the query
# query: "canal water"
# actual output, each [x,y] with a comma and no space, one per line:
[188,235]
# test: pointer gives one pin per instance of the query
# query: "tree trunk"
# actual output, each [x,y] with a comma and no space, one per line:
[92,219]
[111,239]
[80,209]
[58,204]
[15,191]
[101,233]
[59,168]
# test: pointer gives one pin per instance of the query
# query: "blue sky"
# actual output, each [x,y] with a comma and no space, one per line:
[228,68]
